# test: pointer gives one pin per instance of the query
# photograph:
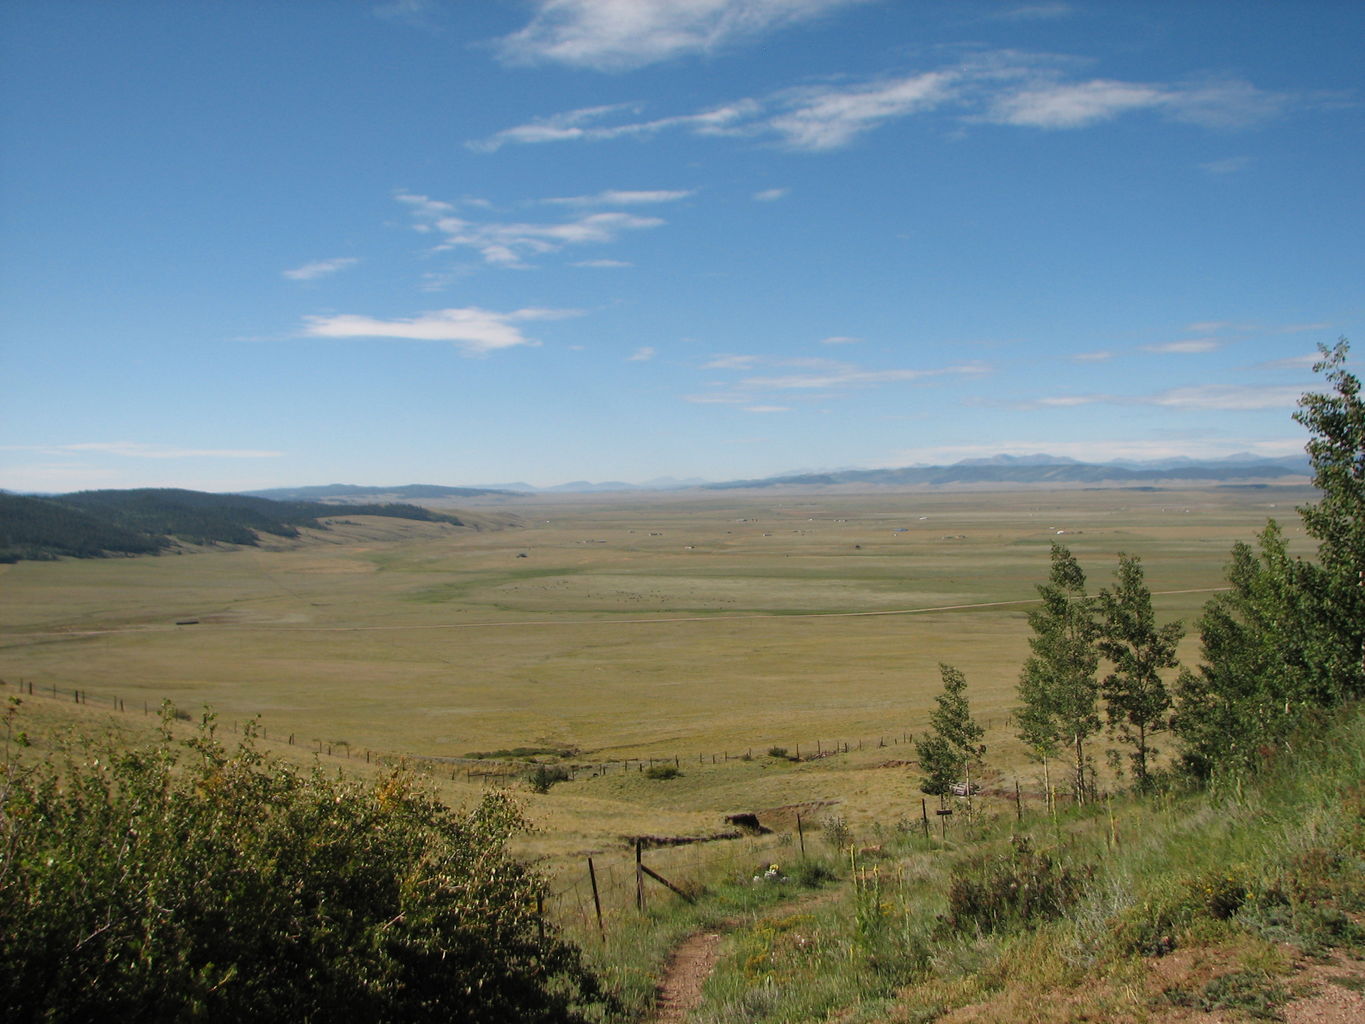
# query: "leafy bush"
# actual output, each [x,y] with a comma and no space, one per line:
[1023,887]
[662,771]
[543,776]
[780,752]
[1252,992]
[837,833]
[181,880]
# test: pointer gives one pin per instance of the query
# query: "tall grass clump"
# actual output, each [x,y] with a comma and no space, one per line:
[182,880]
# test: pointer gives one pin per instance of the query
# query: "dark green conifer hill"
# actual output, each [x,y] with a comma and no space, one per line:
[92,524]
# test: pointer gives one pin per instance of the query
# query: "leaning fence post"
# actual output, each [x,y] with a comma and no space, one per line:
[596,900]
[639,876]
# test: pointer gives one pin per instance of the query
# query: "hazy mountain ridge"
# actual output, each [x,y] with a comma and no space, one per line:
[1044,469]
[1039,468]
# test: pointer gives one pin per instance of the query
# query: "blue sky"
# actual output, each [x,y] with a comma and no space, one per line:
[249,244]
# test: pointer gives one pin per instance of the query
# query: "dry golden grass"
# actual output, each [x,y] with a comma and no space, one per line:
[661,626]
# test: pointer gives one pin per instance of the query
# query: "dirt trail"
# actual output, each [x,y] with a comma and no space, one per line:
[687,970]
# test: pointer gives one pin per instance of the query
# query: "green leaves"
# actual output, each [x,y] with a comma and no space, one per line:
[186,879]
[955,741]
[1057,687]
[1136,698]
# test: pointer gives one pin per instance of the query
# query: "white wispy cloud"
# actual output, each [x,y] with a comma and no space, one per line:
[829,118]
[625,197]
[1215,326]
[137,450]
[1003,88]
[848,376]
[476,331]
[1098,356]
[1210,397]
[818,377]
[1071,104]
[424,206]
[320,268]
[840,339]
[771,195]
[585,125]
[1189,346]
[617,35]
[510,243]
[767,408]
[1304,362]
[1035,12]
[603,264]
[1227,397]
[643,354]
[731,363]
[1044,101]
[1228,165]
[1069,401]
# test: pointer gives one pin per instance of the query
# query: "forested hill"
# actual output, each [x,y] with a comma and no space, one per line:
[90,524]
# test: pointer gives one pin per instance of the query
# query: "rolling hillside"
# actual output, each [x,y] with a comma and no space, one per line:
[91,524]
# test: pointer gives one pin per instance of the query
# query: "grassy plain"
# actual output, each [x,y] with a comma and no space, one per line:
[687,626]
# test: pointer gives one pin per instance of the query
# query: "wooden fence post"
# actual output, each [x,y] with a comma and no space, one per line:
[596,900]
[639,876]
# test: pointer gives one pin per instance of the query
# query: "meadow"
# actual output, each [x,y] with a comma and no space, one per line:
[699,628]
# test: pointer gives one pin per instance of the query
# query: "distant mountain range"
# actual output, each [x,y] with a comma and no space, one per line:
[997,469]
[1046,469]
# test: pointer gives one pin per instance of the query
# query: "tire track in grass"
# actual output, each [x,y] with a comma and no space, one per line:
[267,627]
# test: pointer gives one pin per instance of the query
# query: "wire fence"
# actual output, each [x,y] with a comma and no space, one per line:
[493,770]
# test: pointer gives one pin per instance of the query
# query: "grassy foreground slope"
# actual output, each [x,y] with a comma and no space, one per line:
[1183,906]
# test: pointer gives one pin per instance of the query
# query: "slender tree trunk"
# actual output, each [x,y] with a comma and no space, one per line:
[1080,769]
[1047,787]
[1141,760]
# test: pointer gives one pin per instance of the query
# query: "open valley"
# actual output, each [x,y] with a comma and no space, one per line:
[690,627]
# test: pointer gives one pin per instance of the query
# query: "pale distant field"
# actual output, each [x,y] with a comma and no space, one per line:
[664,626]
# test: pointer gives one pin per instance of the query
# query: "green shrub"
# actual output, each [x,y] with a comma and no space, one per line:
[777,752]
[662,771]
[181,880]
[1019,889]
[543,776]
[1253,993]
[837,833]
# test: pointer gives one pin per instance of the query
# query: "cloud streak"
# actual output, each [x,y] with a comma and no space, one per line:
[1005,89]
[1191,346]
[320,268]
[618,35]
[1209,397]
[512,243]
[475,331]
[625,197]
[823,377]
[136,450]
